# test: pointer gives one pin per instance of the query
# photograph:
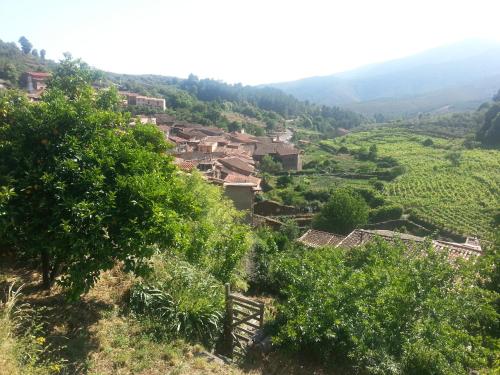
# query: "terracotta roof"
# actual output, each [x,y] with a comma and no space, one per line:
[236,177]
[275,148]
[185,165]
[175,139]
[317,238]
[455,250]
[237,163]
[39,75]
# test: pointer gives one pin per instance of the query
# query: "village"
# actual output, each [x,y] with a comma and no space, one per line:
[231,160]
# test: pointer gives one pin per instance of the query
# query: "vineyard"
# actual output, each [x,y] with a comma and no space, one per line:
[460,193]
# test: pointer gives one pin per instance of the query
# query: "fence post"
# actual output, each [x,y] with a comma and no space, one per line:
[228,329]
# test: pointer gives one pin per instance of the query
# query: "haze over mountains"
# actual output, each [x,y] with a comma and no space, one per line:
[455,77]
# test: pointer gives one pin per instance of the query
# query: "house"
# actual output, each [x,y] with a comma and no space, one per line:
[317,238]
[242,194]
[314,238]
[287,154]
[36,82]
[238,165]
[144,101]
[207,147]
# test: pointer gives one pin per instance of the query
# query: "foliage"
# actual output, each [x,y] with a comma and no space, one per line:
[180,300]
[23,345]
[25,45]
[461,199]
[384,213]
[489,133]
[345,210]
[269,245]
[269,165]
[386,309]
[96,190]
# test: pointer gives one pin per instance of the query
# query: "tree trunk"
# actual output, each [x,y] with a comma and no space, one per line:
[46,268]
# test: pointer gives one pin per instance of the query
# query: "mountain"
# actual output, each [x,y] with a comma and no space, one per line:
[452,78]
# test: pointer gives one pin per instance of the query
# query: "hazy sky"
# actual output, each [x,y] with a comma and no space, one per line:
[251,42]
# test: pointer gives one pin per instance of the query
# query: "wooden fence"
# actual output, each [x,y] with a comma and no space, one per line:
[243,318]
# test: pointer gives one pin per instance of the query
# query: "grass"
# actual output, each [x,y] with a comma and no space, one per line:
[96,336]
[460,197]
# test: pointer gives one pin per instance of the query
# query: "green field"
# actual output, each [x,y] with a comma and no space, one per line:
[461,197]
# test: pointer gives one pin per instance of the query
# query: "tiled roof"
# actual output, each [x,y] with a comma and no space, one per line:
[39,75]
[275,148]
[456,250]
[185,165]
[237,163]
[235,177]
[317,238]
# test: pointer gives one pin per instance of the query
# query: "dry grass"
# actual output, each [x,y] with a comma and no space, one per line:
[96,336]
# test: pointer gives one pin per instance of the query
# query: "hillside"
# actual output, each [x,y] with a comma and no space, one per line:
[203,101]
[457,77]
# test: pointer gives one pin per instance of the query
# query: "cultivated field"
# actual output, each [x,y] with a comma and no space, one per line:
[444,184]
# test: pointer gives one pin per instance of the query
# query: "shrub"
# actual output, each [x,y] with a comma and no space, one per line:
[345,210]
[180,300]
[428,142]
[384,213]
[385,309]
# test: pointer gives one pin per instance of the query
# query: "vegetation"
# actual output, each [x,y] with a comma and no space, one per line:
[345,211]
[447,184]
[179,300]
[386,309]
[489,133]
[97,190]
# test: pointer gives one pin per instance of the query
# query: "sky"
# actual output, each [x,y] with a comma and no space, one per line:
[252,42]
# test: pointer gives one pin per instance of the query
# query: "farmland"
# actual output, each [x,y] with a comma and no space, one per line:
[444,183]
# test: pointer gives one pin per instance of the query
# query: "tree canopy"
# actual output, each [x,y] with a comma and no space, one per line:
[344,211]
[82,189]
[26,45]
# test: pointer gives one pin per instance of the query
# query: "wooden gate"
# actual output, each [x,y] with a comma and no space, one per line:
[243,318]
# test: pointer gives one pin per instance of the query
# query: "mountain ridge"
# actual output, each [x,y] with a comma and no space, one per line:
[440,69]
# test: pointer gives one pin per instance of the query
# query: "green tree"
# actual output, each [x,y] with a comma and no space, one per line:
[86,190]
[43,53]
[387,309]
[26,45]
[373,152]
[489,133]
[269,165]
[345,211]
[34,52]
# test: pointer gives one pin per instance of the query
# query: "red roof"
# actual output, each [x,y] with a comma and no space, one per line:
[39,75]
[236,178]
[185,165]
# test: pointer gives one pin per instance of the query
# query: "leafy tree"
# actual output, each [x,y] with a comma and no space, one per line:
[34,52]
[344,211]
[269,165]
[454,158]
[87,190]
[10,72]
[373,152]
[489,133]
[496,98]
[284,181]
[42,54]
[26,45]
[387,309]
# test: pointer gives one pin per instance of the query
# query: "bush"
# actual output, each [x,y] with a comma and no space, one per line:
[345,210]
[384,213]
[385,309]
[180,300]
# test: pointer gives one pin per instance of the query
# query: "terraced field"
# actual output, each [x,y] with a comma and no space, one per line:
[461,197]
